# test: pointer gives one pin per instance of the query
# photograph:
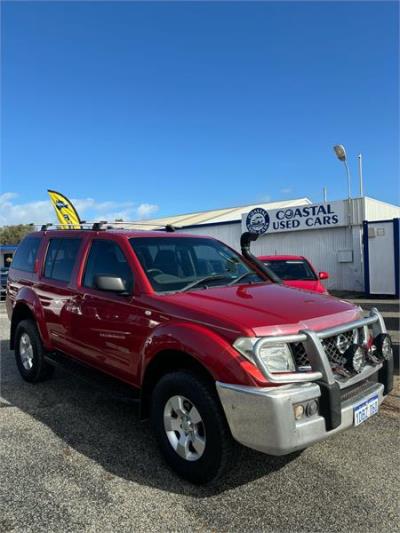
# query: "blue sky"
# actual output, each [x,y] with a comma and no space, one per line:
[139,109]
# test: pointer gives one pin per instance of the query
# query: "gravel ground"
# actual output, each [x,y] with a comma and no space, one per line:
[75,459]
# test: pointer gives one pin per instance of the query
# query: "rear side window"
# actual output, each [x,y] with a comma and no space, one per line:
[107,259]
[60,259]
[25,256]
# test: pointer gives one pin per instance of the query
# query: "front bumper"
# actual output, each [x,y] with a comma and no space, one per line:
[263,418]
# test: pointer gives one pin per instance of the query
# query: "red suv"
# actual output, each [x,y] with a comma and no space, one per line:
[216,347]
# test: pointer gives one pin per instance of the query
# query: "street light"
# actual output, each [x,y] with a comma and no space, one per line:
[341,155]
[360,173]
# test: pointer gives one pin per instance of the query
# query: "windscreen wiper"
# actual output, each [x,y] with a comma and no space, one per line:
[236,280]
[198,282]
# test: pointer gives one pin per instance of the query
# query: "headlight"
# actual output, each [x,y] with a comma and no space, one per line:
[277,357]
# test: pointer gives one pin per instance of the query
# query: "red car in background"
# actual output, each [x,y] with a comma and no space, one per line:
[296,271]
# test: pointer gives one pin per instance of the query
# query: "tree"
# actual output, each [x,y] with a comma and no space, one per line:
[14,234]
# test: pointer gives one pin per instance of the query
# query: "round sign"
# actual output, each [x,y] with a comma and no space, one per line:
[257,220]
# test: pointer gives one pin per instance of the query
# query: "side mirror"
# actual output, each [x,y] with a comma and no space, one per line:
[111,284]
[323,275]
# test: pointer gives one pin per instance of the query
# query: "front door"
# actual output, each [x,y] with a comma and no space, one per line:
[104,323]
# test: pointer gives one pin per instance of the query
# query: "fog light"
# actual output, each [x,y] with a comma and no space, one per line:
[311,408]
[383,345]
[373,355]
[298,411]
[354,358]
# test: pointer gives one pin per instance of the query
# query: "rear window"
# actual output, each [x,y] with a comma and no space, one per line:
[26,253]
[60,259]
[292,269]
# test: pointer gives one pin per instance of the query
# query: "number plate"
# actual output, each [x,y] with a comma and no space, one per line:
[365,410]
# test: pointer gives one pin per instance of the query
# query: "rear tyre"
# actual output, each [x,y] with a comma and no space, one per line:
[29,353]
[191,428]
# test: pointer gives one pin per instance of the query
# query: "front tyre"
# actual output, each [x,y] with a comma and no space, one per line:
[29,353]
[190,427]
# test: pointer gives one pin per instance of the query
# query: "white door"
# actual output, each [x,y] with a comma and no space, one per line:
[382,277]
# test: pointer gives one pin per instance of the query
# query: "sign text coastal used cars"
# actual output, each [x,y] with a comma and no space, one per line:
[303,217]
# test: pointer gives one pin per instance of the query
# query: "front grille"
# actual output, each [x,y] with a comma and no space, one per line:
[300,355]
[334,355]
[330,346]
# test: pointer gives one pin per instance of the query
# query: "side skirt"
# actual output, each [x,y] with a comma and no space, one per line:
[108,385]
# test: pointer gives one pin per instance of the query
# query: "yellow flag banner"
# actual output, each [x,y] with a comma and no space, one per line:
[66,213]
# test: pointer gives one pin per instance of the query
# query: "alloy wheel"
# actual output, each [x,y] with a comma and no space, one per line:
[184,428]
[26,351]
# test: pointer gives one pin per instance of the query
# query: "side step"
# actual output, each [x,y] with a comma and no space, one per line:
[108,385]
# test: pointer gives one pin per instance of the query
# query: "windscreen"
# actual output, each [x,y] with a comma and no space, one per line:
[291,270]
[182,263]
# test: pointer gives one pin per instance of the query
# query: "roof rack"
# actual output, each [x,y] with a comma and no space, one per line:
[102,225]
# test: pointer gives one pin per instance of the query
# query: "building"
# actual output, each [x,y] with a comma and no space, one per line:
[356,240]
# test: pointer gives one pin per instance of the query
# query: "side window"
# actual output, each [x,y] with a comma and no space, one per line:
[60,259]
[107,259]
[25,256]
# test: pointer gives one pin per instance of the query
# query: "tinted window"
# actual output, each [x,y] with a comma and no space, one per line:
[25,256]
[107,259]
[60,258]
[173,263]
[292,269]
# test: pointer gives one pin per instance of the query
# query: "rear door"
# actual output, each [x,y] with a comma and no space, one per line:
[104,323]
[55,288]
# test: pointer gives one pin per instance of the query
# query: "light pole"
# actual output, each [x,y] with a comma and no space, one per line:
[341,155]
[360,172]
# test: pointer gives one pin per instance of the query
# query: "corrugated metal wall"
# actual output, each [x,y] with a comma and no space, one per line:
[320,246]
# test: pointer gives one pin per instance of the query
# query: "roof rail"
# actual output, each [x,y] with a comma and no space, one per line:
[45,226]
[101,225]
